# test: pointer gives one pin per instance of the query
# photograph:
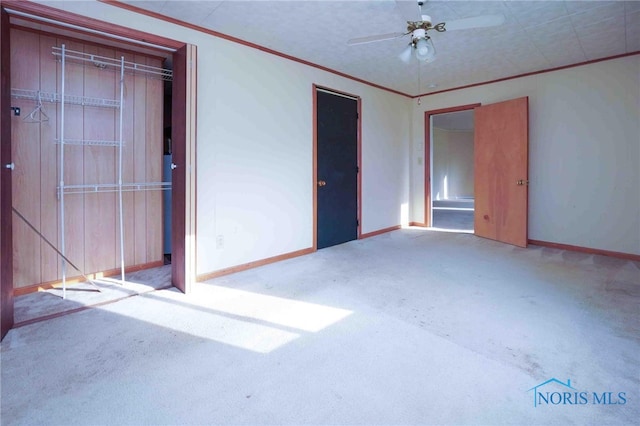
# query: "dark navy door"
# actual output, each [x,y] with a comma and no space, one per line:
[337,139]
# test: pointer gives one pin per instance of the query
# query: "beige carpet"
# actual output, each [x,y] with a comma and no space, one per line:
[410,327]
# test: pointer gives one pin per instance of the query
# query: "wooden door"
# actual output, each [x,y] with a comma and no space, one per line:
[501,158]
[183,175]
[337,165]
[6,231]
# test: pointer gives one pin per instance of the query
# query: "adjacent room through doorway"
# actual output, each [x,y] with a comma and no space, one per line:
[452,202]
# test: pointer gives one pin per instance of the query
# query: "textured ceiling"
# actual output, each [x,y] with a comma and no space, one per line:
[536,35]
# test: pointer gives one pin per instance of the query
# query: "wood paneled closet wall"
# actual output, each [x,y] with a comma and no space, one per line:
[91,219]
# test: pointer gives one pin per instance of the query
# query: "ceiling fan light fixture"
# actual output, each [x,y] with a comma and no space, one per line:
[405,55]
[431,55]
[421,42]
[422,49]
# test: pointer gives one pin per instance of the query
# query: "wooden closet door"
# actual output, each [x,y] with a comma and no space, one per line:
[25,140]
[183,176]
[74,128]
[154,152]
[49,211]
[100,165]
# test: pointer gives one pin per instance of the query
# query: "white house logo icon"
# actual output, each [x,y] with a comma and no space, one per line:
[537,394]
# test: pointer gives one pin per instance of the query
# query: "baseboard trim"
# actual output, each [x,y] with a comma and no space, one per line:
[254,264]
[620,255]
[420,224]
[379,231]
[262,262]
[21,291]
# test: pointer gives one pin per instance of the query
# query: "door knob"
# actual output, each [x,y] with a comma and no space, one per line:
[10,166]
[321,183]
[521,182]
[173,166]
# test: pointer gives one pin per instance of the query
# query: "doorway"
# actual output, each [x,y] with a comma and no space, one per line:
[449,203]
[336,184]
[70,156]
[71,26]
[500,169]
[452,203]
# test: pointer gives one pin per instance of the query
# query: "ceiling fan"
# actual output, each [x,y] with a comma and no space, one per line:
[421,42]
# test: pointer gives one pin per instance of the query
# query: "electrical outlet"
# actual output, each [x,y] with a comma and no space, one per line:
[220,242]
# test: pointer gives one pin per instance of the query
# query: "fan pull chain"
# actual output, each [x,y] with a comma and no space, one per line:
[419,84]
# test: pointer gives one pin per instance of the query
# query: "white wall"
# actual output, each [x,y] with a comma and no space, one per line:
[452,175]
[254,145]
[584,151]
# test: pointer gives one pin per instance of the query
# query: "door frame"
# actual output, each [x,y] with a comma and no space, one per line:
[6,199]
[184,118]
[314,181]
[427,155]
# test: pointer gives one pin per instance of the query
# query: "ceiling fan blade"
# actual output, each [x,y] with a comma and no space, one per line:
[475,22]
[372,39]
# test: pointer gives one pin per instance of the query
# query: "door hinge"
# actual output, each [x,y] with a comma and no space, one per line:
[357,169]
[357,116]
[357,222]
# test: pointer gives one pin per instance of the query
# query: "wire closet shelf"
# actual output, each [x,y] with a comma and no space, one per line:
[119,65]
[105,62]
[35,95]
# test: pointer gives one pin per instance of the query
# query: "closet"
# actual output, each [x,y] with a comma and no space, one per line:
[87,153]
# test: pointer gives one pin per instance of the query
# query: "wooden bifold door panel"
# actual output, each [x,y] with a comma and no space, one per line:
[6,225]
[92,239]
[183,175]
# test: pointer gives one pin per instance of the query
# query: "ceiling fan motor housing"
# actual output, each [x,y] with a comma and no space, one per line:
[418,33]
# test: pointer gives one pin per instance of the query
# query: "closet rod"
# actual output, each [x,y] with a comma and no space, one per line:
[103,61]
[113,187]
[89,142]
